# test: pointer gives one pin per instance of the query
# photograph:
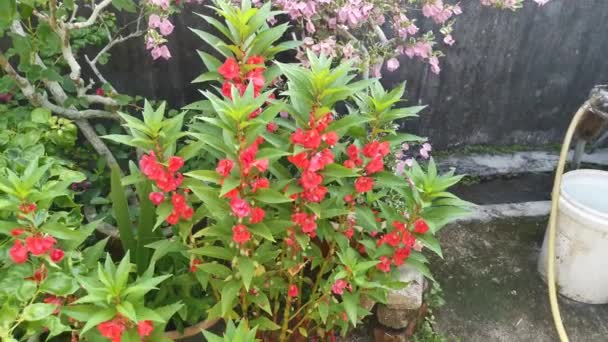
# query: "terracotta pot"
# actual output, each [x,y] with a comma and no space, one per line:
[191,331]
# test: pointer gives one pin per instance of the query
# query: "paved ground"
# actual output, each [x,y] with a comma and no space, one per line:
[493,291]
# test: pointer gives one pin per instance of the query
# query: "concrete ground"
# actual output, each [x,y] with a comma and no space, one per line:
[493,291]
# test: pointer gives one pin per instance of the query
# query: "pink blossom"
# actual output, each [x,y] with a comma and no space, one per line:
[423,49]
[427,146]
[412,29]
[166,27]
[541,2]
[310,27]
[377,70]
[332,23]
[409,162]
[400,167]
[405,146]
[449,40]
[154,21]
[164,4]
[161,52]
[431,9]
[434,62]
[150,43]
[348,51]
[456,9]
[392,64]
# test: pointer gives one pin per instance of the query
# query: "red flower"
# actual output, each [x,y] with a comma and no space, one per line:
[293,291]
[401,255]
[257,215]
[330,138]
[255,113]
[307,222]
[319,160]
[257,78]
[348,198]
[38,245]
[230,69]
[259,183]
[400,226]
[376,149]
[145,328]
[384,265]
[272,127]
[175,163]
[261,164]
[39,274]
[339,286]
[227,89]
[310,180]
[18,252]
[408,239]
[308,139]
[56,255]
[392,238]
[299,160]
[352,151]
[256,60]
[375,165]
[112,329]
[420,226]
[232,194]
[364,184]
[156,197]
[240,234]
[54,300]
[99,91]
[173,218]
[349,233]
[17,231]
[27,208]
[240,207]
[315,195]
[224,167]
[194,264]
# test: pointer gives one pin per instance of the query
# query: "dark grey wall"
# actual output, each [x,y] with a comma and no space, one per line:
[510,78]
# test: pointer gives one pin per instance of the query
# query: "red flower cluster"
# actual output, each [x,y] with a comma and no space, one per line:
[375,152]
[114,328]
[402,241]
[339,286]
[37,245]
[168,180]
[314,160]
[306,222]
[239,77]
[166,177]
[240,234]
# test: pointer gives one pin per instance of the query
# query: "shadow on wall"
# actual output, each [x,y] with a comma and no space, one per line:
[511,78]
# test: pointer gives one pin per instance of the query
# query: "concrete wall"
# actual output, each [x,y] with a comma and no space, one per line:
[510,78]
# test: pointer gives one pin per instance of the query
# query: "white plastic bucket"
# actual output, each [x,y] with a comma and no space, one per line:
[582,238]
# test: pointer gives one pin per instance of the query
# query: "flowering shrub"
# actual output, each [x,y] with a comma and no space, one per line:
[290,226]
[370,33]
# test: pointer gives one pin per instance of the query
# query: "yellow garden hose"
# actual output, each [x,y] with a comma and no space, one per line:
[555,194]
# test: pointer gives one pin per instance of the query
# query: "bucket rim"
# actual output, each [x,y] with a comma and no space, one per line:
[576,203]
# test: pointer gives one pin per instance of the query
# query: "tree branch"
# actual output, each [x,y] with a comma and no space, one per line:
[92,18]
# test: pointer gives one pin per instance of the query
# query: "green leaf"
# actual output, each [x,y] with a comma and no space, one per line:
[126,5]
[145,229]
[215,269]
[59,284]
[430,242]
[323,311]
[261,300]
[92,254]
[7,11]
[271,153]
[338,171]
[264,324]
[214,252]
[205,175]
[351,303]
[271,196]
[246,269]
[230,183]
[41,115]
[262,230]
[126,309]
[366,218]
[38,311]
[229,294]
[121,211]
[97,317]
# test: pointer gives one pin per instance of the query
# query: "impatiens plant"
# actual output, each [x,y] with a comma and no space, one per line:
[297,224]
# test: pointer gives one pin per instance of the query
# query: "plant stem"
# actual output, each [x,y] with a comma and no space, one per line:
[285,324]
